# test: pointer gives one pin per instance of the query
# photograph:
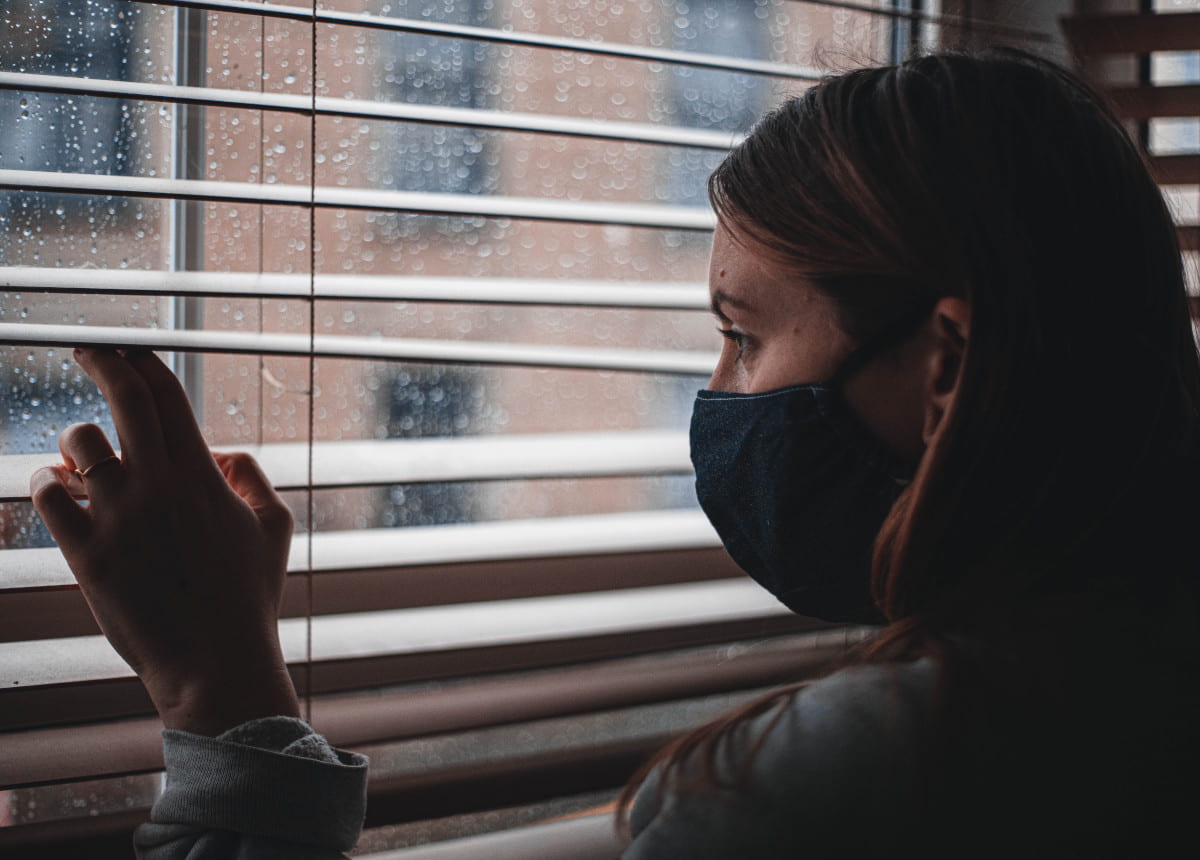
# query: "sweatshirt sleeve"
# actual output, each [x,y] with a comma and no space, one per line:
[270,788]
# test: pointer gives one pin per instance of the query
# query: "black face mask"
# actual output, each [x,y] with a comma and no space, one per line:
[797,488]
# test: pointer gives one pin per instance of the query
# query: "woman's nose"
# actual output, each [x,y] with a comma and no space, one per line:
[723,375]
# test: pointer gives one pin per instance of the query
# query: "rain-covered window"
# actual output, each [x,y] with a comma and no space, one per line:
[711,98]
[446,279]
[444,72]
[41,391]
[55,131]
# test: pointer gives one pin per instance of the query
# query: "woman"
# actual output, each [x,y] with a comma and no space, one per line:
[958,394]
[999,458]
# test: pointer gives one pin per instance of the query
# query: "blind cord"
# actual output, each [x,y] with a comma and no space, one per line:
[312,362]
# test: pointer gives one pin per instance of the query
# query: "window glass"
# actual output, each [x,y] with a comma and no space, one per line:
[57,132]
[1170,135]
[710,98]
[44,390]
[363,142]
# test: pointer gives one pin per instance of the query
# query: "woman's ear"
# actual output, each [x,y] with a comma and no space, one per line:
[951,323]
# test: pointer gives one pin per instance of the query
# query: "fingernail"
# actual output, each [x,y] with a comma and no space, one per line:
[41,478]
[49,476]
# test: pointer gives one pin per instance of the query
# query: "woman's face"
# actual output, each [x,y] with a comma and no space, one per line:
[780,331]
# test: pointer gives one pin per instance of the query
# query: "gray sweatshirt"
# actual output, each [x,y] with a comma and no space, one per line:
[272,788]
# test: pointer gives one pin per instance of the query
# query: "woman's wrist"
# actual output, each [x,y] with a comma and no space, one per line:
[213,704]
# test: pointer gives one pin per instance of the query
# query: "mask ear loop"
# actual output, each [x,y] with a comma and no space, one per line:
[895,332]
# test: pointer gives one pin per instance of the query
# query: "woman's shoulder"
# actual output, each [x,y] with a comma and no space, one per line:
[834,763]
[873,688]
[859,730]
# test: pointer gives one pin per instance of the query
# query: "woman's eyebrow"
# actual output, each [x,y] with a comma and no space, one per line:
[719,299]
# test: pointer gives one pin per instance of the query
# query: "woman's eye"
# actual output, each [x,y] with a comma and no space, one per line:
[737,338]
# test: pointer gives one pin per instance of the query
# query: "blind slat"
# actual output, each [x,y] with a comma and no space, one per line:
[1150,102]
[132,746]
[503,36]
[51,613]
[341,346]
[406,632]
[497,36]
[419,202]
[1176,169]
[629,132]
[591,836]
[44,705]
[380,462]
[1189,238]
[543,537]
[332,551]
[1133,33]
[649,295]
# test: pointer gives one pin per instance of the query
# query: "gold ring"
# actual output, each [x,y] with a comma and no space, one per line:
[111,458]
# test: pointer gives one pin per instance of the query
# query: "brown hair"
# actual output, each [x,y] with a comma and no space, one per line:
[1002,179]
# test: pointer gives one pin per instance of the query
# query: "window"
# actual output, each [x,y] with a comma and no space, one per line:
[52,131]
[421,69]
[711,98]
[458,256]
[1149,60]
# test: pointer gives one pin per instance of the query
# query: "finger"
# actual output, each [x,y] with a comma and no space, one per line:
[185,442]
[132,404]
[69,524]
[88,453]
[250,482]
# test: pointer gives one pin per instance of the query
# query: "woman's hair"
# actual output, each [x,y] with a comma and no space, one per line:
[1001,179]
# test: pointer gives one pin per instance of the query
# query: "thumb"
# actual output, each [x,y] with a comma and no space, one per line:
[248,480]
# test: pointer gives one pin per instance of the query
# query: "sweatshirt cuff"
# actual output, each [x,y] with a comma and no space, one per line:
[288,735]
[303,792]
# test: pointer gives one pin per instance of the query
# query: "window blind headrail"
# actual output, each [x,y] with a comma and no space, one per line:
[428,630]
[335,551]
[657,215]
[381,462]
[499,36]
[647,295]
[685,363]
[629,132]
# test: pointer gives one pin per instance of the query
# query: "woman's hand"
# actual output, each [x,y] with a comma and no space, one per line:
[181,555]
